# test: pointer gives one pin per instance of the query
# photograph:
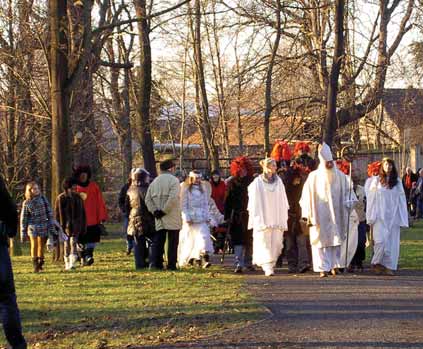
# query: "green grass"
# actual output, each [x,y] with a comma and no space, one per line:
[411,251]
[110,305]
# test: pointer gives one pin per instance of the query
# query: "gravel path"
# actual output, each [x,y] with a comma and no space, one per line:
[346,311]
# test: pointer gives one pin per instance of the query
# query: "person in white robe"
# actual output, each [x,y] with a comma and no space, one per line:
[268,216]
[386,213]
[195,244]
[326,202]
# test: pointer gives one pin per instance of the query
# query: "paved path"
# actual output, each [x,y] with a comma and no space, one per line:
[346,311]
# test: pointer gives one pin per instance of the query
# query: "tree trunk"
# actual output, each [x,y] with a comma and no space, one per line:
[268,93]
[59,111]
[144,87]
[81,106]
[331,122]
[202,89]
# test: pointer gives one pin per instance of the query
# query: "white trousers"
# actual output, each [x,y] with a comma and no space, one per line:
[326,258]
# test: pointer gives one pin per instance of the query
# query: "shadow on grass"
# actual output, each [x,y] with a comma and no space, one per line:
[68,321]
[286,345]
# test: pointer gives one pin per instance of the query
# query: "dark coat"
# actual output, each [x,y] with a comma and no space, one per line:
[236,200]
[8,213]
[70,213]
[122,200]
[294,180]
[141,221]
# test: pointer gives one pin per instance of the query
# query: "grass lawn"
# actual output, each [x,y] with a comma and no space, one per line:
[411,252]
[110,305]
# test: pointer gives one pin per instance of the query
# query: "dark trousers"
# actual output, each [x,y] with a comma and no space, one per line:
[157,248]
[360,253]
[296,246]
[140,252]
[8,307]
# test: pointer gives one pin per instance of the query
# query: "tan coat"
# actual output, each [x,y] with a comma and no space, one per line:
[163,194]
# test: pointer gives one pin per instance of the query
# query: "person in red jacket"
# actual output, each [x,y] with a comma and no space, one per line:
[218,190]
[95,211]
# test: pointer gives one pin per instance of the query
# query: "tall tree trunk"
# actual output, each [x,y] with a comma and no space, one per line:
[59,110]
[202,89]
[331,122]
[144,87]
[81,106]
[268,93]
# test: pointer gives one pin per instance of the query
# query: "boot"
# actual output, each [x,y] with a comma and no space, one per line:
[89,259]
[73,258]
[205,261]
[35,264]
[67,263]
[40,263]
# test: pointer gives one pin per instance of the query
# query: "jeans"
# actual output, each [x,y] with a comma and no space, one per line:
[129,238]
[419,208]
[8,307]
[243,256]
[157,248]
[140,251]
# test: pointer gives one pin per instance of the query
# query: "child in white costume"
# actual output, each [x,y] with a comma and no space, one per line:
[268,216]
[198,215]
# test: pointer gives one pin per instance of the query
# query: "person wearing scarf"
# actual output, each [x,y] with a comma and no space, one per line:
[268,216]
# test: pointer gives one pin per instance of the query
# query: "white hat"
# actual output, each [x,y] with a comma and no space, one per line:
[195,174]
[325,154]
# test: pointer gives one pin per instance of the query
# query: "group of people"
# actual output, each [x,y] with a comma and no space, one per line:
[316,214]
[312,207]
[74,226]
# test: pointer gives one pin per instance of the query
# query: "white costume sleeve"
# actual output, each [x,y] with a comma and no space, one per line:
[185,209]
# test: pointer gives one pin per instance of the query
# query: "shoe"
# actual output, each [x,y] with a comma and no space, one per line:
[378,269]
[238,269]
[324,274]
[205,261]
[269,273]
[73,259]
[334,271]
[251,268]
[389,272]
[35,264]
[67,263]
[88,258]
[40,263]
[128,251]
[304,269]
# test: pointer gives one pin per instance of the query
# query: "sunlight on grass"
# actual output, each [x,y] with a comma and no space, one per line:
[110,305]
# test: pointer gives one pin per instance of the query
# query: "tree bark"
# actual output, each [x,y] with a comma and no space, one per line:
[331,122]
[144,87]
[59,110]
[268,92]
[208,133]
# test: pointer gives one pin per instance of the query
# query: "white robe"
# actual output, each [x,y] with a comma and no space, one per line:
[268,217]
[352,241]
[194,238]
[386,212]
[324,205]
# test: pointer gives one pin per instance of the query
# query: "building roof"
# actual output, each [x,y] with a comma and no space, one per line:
[404,106]
[253,130]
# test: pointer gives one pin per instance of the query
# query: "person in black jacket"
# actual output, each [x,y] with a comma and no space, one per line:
[8,307]
[125,215]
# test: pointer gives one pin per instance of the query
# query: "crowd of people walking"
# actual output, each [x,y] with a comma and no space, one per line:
[313,211]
